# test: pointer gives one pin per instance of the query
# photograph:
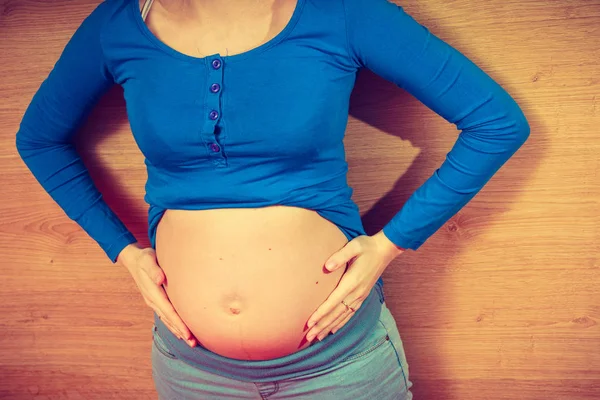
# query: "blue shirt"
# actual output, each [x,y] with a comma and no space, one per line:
[265,126]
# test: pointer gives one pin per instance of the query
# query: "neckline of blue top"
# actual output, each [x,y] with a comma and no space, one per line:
[137,15]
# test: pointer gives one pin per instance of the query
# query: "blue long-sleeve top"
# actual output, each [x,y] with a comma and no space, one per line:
[265,126]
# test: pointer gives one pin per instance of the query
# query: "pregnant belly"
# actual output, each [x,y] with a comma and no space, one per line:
[246,280]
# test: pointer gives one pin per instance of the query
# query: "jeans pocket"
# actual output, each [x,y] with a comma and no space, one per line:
[375,339]
[160,344]
[370,349]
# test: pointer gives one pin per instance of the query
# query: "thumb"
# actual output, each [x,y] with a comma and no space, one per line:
[158,276]
[341,257]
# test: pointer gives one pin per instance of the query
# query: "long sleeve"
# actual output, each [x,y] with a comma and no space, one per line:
[385,39]
[44,140]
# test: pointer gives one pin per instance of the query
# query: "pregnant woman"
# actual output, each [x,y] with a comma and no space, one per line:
[240,109]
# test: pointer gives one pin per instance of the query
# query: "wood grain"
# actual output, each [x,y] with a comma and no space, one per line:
[503,302]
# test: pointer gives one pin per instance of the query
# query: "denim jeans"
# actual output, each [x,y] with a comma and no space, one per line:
[377,369]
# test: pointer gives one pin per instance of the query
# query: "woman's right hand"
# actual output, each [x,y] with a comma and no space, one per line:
[149,277]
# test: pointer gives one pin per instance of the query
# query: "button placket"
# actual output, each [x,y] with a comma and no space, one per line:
[213,107]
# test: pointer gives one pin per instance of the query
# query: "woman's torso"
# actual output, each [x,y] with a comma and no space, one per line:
[245,280]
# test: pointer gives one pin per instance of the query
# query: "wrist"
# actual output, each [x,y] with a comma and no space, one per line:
[387,245]
[129,254]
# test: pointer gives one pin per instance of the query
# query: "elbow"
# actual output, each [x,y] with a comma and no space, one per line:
[523,128]
[515,128]
[27,144]
[20,143]
[23,144]
[31,139]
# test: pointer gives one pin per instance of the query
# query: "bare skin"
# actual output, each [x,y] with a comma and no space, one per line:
[245,281]
[202,27]
[241,282]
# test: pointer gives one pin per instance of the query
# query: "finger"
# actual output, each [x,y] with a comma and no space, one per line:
[342,291]
[325,331]
[324,322]
[165,321]
[171,327]
[338,325]
[174,321]
[167,312]
[335,324]
[159,301]
[343,255]
[340,321]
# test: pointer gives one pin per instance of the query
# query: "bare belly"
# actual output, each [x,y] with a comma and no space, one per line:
[246,280]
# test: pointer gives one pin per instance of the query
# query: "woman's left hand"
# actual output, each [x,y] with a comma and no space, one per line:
[367,258]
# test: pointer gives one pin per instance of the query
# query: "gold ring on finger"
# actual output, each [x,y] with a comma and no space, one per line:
[348,307]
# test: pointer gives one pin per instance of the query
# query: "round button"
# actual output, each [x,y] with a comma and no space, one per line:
[215,147]
[213,115]
[216,64]
[215,87]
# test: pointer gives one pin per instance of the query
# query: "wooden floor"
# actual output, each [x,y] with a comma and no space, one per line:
[503,302]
